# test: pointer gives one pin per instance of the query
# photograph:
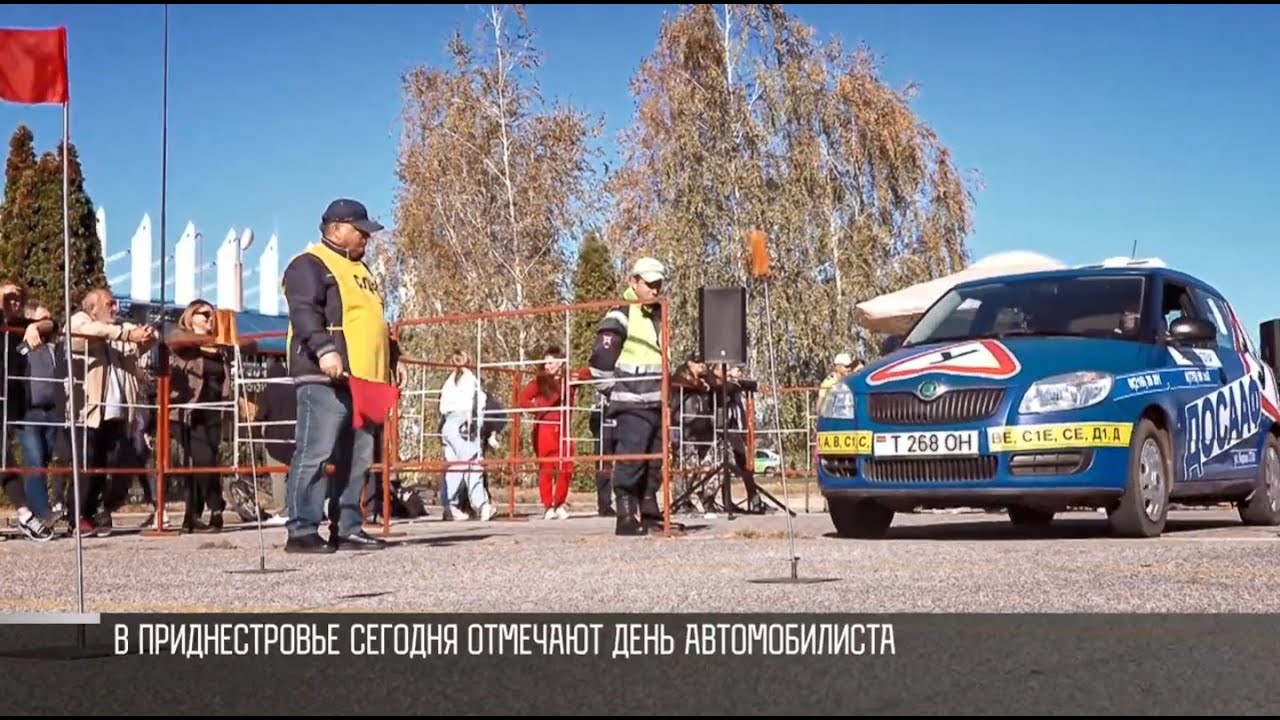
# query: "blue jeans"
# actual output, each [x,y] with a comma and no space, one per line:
[36,443]
[324,432]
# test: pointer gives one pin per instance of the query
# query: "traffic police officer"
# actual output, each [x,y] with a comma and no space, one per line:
[843,368]
[626,361]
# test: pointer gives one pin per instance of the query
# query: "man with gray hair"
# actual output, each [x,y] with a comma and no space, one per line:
[107,354]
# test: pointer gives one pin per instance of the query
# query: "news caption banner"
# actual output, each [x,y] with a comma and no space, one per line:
[754,664]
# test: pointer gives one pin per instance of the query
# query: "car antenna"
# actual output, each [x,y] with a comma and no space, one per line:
[1133,252]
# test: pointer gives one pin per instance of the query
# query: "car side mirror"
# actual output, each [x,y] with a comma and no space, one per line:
[1187,331]
[891,343]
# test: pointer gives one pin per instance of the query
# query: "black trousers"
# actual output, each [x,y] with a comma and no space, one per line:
[638,432]
[104,446]
[606,441]
[197,445]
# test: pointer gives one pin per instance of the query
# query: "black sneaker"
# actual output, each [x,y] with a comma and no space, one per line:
[313,544]
[102,524]
[359,540]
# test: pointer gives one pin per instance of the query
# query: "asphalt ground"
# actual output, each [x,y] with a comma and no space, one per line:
[936,562]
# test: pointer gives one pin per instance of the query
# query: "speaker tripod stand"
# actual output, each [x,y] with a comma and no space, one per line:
[727,468]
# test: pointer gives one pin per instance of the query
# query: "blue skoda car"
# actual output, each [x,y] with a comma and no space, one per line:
[1122,388]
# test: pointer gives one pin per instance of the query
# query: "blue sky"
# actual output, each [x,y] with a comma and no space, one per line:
[1092,127]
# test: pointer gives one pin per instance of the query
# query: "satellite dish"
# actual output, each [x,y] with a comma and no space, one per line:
[246,239]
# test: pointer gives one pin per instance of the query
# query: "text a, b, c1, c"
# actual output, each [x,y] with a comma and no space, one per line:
[857,442]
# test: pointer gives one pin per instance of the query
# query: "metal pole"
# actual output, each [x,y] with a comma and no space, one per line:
[164,168]
[777,424]
[71,396]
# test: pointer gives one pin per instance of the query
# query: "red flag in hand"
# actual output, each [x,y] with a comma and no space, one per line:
[33,66]
[371,401]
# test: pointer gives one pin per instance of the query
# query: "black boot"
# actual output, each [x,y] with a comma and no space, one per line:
[603,506]
[629,517]
[649,508]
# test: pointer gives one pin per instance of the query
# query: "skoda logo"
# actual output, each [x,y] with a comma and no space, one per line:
[928,390]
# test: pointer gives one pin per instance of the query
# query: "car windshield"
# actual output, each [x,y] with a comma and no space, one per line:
[1106,306]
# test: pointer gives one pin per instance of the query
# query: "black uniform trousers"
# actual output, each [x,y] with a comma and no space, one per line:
[638,432]
[606,438]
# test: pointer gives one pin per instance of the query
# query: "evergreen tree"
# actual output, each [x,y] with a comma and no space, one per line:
[32,225]
[87,266]
[594,280]
[17,221]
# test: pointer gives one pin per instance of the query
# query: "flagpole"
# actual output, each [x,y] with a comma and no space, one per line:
[66,308]
[164,168]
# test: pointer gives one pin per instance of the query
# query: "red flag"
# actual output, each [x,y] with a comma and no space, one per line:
[371,401]
[33,66]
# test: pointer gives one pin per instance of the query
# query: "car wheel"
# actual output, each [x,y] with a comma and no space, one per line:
[865,519]
[1023,515]
[1263,506]
[1144,509]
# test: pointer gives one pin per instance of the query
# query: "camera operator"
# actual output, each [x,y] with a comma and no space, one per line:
[733,418]
[692,427]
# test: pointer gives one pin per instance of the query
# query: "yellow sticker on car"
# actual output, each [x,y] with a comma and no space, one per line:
[1058,436]
[853,442]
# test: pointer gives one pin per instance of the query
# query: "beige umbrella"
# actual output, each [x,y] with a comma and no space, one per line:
[895,312]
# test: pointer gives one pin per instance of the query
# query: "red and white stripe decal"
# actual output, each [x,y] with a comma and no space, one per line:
[1270,400]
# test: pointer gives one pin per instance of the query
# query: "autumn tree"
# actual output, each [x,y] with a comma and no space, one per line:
[495,183]
[33,247]
[743,120]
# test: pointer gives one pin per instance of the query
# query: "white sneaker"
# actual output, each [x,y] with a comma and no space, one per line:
[550,514]
[487,513]
[562,513]
[276,521]
[32,527]
[455,513]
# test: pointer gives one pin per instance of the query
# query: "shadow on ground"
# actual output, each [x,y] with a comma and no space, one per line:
[999,528]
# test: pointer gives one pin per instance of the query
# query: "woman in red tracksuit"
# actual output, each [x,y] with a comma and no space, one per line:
[551,425]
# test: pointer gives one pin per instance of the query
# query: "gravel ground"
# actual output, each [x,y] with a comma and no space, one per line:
[1207,561]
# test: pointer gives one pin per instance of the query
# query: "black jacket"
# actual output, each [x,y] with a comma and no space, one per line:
[278,405]
[315,305]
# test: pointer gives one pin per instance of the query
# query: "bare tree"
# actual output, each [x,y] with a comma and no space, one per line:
[744,121]
[496,183]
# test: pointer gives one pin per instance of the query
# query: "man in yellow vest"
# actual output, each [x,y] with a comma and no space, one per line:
[337,329]
[844,366]
[627,363]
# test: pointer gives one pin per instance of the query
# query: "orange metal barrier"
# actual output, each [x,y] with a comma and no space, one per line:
[797,442]
[495,328]
[533,327]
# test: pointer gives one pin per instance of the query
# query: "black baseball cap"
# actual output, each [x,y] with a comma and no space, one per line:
[346,210]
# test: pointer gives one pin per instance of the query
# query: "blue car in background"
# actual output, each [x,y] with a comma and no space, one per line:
[1122,388]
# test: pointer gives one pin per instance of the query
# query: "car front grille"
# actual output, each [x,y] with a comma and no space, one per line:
[953,406]
[930,470]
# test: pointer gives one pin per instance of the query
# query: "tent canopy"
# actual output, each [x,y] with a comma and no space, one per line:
[895,312]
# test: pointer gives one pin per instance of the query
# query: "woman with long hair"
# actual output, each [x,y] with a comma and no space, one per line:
[552,434]
[200,390]
[461,401]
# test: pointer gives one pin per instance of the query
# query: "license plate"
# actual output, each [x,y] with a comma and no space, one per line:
[924,444]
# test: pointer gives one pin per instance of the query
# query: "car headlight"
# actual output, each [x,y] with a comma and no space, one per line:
[1071,391]
[838,403]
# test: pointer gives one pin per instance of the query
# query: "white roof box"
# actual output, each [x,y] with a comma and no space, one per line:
[1122,261]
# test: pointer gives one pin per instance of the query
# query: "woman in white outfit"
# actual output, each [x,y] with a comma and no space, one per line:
[460,398]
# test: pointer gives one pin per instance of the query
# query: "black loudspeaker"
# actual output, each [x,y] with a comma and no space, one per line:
[722,325]
[1269,333]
